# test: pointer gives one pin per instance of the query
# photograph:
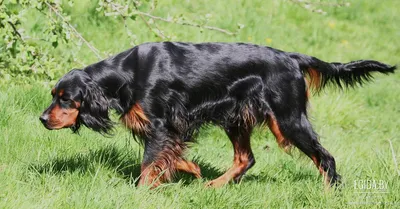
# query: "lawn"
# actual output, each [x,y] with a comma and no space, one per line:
[59,169]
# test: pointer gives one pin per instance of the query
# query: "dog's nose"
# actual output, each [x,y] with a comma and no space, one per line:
[44,118]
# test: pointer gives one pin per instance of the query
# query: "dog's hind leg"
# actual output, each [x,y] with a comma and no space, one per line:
[243,157]
[292,122]
[280,139]
[300,133]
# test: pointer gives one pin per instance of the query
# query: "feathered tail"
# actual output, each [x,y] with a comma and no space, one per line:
[342,74]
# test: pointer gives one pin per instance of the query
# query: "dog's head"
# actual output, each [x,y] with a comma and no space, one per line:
[77,100]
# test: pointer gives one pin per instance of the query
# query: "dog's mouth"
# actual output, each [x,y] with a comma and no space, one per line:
[49,127]
[74,127]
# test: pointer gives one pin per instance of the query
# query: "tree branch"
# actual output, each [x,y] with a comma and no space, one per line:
[117,7]
[160,35]
[344,4]
[91,47]
[308,5]
[15,30]
[185,23]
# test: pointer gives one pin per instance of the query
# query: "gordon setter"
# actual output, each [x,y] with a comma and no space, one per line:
[165,91]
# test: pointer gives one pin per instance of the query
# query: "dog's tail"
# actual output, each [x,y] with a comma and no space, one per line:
[350,74]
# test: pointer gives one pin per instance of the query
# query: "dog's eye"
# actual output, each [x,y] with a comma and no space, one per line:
[64,101]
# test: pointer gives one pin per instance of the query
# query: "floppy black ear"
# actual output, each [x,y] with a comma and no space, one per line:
[93,111]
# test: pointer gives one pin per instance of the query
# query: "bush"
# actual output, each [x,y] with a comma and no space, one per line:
[27,57]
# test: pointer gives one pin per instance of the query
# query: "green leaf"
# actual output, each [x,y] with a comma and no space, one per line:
[54,44]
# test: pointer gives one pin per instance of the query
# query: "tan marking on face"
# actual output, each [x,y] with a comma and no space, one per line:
[61,92]
[62,118]
[53,91]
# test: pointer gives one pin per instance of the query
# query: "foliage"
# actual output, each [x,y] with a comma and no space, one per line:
[23,58]
[21,55]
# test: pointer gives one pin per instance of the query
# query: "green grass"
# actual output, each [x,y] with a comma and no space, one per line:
[58,169]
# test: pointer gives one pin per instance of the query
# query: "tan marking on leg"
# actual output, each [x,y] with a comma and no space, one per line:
[321,170]
[242,153]
[238,167]
[188,167]
[280,139]
[164,166]
[150,176]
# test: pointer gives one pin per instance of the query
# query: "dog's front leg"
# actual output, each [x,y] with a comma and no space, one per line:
[161,154]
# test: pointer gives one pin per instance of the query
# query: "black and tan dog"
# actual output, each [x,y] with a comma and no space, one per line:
[165,91]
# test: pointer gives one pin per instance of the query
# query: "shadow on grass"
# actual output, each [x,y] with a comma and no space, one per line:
[110,157]
[208,172]
[127,164]
[265,178]
[124,163]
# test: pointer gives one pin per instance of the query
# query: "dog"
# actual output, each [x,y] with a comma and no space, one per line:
[164,92]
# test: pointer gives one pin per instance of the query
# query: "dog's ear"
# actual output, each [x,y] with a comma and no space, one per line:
[93,112]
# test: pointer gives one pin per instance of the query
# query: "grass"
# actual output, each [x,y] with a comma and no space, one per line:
[58,169]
